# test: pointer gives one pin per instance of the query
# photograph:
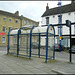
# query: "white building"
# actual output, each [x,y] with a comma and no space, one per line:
[52,16]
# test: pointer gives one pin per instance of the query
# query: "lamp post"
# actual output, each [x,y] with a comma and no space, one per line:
[59,4]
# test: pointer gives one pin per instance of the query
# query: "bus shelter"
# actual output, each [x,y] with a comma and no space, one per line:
[30,40]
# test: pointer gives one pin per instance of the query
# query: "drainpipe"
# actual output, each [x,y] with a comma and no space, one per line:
[21,17]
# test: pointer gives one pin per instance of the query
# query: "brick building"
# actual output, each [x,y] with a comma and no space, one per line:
[12,20]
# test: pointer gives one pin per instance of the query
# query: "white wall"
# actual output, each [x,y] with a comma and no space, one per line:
[65,29]
[54,20]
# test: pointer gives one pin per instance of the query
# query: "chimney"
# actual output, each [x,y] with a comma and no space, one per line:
[17,13]
[47,7]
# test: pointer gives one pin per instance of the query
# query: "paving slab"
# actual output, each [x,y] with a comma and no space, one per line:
[14,65]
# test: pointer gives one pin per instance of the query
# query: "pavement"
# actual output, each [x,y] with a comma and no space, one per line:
[10,64]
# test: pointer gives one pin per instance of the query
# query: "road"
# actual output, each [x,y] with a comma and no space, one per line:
[64,56]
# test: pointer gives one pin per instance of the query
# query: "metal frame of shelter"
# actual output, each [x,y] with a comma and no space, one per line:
[46,34]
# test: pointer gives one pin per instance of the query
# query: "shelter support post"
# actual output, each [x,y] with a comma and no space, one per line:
[8,43]
[39,46]
[46,47]
[30,41]
[47,43]
[54,46]
[70,46]
[30,46]
[19,31]
[27,43]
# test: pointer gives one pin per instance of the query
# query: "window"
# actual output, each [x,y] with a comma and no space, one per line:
[4,29]
[4,19]
[28,23]
[10,20]
[59,19]
[74,29]
[59,30]
[16,21]
[25,21]
[3,39]
[9,28]
[47,20]
[59,22]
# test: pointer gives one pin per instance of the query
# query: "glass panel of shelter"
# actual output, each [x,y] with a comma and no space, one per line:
[50,42]
[24,43]
[13,44]
[35,42]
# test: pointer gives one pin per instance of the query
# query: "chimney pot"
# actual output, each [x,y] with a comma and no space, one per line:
[47,7]
[17,13]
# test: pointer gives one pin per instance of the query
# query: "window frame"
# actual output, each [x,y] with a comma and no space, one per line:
[3,41]
[16,21]
[47,20]
[11,28]
[28,22]
[74,29]
[25,21]
[59,22]
[5,28]
[10,19]
[4,18]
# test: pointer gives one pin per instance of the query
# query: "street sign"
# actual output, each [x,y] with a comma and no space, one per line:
[68,23]
[60,37]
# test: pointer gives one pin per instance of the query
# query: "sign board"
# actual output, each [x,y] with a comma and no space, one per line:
[2,33]
[60,37]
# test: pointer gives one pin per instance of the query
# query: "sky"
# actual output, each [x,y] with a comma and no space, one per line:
[30,9]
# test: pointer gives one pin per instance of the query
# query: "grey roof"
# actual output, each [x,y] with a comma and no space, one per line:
[65,9]
[9,14]
[28,19]
[14,15]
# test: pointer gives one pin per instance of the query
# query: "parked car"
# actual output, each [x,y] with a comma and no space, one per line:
[35,45]
[72,49]
[57,47]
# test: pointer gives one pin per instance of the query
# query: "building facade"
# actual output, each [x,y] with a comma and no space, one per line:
[52,16]
[12,21]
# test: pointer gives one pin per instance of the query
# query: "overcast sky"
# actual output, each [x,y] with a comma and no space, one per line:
[30,9]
